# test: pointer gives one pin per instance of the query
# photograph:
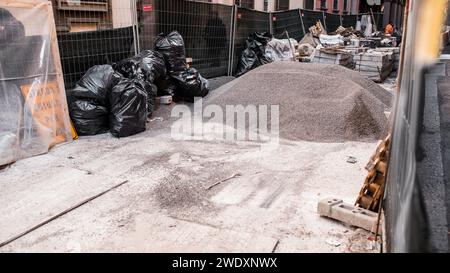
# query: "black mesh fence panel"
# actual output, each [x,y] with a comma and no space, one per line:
[247,22]
[80,51]
[92,33]
[100,32]
[287,21]
[333,21]
[349,20]
[205,28]
[379,21]
[311,17]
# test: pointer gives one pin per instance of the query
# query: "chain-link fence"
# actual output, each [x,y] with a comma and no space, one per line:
[92,32]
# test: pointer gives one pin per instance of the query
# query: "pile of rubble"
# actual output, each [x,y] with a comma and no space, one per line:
[362,48]
[369,52]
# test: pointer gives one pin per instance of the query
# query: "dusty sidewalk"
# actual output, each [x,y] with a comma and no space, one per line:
[167,205]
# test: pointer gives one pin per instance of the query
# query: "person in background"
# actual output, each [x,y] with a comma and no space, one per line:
[398,35]
[389,28]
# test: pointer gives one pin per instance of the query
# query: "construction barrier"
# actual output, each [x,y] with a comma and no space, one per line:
[289,21]
[214,34]
[33,107]
[82,50]
[247,22]
[205,27]
[333,21]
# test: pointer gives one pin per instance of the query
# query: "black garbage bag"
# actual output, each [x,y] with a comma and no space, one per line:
[152,65]
[148,65]
[96,83]
[128,113]
[129,68]
[191,84]
[257,41]
[152,91]
[173,50]
[88,117]
[254,53]
[248,61]
[88,105]
[166,87]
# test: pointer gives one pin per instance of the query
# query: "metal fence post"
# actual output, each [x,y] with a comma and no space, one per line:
[300,13]
[340,19]
[232,39]
[270,23]
[231,43]
[136,37]
[324,20]
[133,26]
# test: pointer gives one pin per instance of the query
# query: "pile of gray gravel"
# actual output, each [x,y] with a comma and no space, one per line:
[322,103]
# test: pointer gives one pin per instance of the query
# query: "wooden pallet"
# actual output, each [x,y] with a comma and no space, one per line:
[373,188]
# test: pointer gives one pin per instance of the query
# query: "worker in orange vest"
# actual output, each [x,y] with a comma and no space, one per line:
[389,28]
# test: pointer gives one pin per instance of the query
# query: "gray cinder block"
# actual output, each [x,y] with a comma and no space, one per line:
[349,214]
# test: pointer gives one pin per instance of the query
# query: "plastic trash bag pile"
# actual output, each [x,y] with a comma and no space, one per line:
[262,48]
[119,98]
[182,82]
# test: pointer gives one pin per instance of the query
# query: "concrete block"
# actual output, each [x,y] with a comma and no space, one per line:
[349,214]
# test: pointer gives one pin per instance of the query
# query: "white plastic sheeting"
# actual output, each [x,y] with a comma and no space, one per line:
[331,40]
[33,106]
[281,49]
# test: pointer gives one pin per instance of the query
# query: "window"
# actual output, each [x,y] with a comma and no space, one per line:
[323,4]
[345,5]
[282,5]
[82,27]
[85,5]
[266,5]
[309,4]
[245,3]
[335,4]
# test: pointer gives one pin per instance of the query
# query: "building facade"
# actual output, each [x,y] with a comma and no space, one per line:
[393,11]
[338,6]
[90,15]
[265,5]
